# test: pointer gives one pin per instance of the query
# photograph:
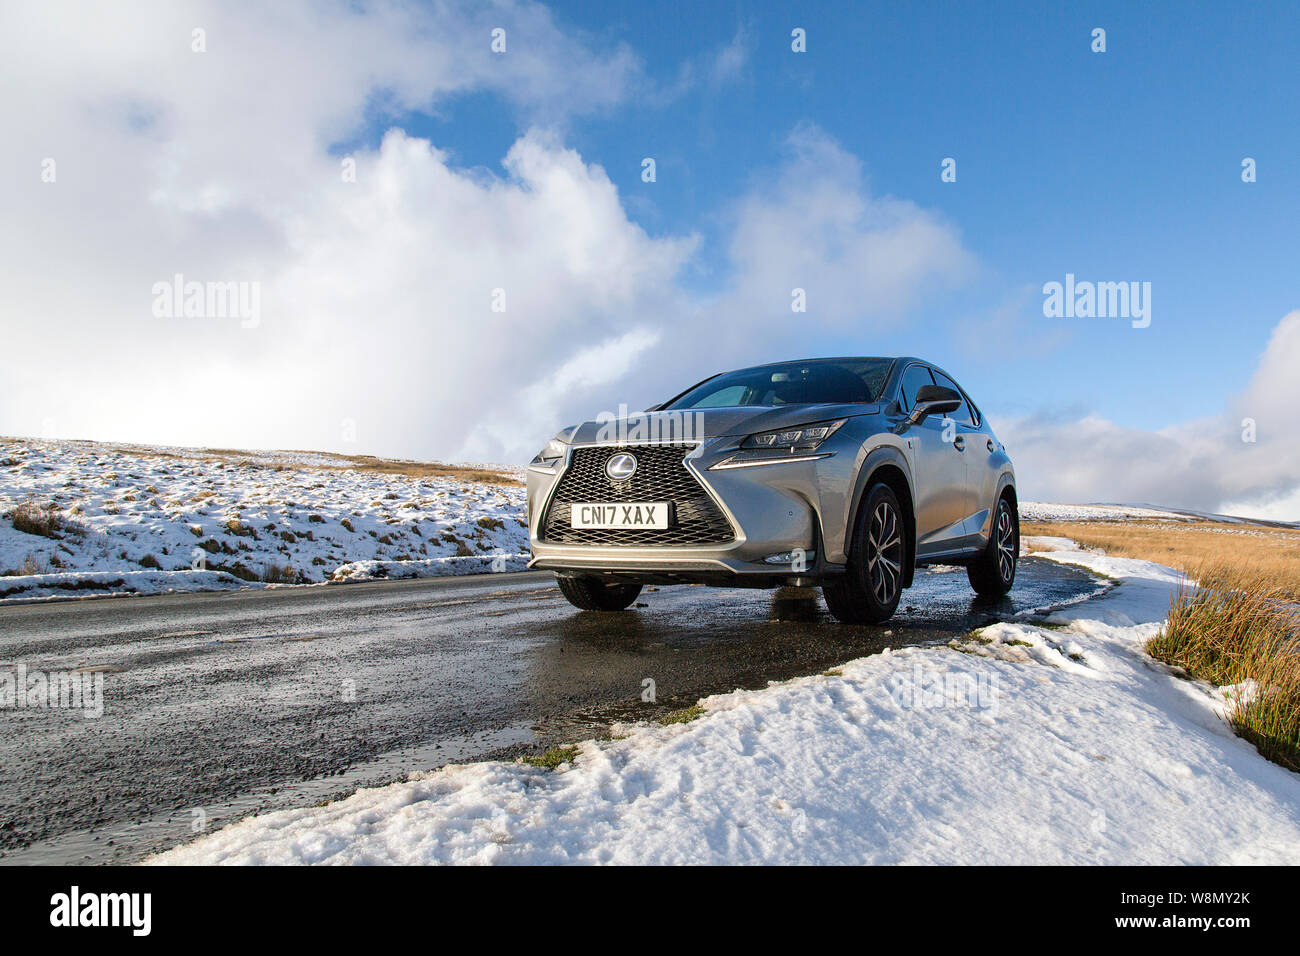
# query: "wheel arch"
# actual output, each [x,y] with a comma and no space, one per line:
[888,466]
[1007,489]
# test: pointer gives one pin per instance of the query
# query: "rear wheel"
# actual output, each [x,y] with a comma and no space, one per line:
[593,594]
[873,580]
[994,571]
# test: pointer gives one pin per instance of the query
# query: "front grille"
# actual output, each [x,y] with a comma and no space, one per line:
[660,476]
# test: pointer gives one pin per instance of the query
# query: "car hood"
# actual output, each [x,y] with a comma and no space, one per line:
[708,423]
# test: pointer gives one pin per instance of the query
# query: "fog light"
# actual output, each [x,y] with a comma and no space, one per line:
[791,557]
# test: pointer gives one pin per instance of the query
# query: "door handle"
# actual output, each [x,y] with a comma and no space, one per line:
[959,443]
[992,447]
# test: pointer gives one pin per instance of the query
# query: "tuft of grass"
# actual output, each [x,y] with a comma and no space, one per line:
[1049,625]
[44,520]
[1232,627]
[280,574]
[149,561]
[33,564]
[238,570]
[239,529]
[833,672]
[553,757]
[683,716]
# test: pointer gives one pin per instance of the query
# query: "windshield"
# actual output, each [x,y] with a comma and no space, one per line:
[820,381]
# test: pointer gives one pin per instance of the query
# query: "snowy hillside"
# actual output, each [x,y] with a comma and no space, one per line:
[80,518]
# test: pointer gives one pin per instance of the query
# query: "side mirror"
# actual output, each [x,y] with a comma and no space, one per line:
[934,400]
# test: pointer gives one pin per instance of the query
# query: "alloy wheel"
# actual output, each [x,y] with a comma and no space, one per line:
[1006,543]
[885,552]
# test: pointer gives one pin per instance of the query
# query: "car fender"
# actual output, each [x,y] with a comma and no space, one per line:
[881,455]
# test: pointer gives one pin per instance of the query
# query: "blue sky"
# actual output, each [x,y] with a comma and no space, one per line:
[377,329]
[1123,165]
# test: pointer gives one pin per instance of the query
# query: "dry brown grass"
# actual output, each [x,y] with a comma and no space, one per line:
[274,573]
[384,466]
[430,469]
[1270,557]
[43,519]
[1240,622]
[1229,629]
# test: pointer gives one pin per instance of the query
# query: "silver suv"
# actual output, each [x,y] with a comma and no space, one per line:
[839,473]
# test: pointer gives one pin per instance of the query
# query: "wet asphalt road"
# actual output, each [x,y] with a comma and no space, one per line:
[220,705]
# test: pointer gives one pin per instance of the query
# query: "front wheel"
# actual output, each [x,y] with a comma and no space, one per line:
[994,571]
[593,594]
[869,590]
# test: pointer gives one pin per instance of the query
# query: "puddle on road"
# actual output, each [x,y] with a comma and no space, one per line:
[797,637]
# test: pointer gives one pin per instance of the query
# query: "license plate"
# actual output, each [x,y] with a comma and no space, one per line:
[643,515]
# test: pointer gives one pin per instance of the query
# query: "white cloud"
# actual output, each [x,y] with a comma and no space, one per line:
[813,224]
[377,294]
[730,61]
[1202,465]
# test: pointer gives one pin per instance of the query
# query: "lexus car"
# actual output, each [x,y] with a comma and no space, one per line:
[840,473]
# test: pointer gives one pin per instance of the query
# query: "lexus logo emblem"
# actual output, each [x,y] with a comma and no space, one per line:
[620,467]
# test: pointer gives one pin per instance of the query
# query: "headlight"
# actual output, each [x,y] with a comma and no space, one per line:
[803,438]
[552,452]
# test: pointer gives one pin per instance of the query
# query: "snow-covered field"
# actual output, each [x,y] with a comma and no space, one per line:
[1020,743]
[1048,511]
[135,519]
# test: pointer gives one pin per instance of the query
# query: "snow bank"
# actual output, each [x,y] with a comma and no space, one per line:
[431,568]
[83,583]
[159,519]
[1021,743]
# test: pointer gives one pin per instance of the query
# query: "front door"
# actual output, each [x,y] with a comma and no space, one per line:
[938,470]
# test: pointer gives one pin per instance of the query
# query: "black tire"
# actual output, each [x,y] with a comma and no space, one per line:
[873,580]
[994,571]
[593,594]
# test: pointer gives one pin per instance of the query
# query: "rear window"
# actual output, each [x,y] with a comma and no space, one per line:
[825,381]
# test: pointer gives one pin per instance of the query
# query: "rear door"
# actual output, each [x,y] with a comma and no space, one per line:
[939,471]
[975,448]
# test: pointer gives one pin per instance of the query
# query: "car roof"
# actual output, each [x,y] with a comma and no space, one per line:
[823,359]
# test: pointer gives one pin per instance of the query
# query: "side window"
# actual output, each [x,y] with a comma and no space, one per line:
[914,376]
[962,416]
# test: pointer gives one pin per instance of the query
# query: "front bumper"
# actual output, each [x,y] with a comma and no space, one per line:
[776,506]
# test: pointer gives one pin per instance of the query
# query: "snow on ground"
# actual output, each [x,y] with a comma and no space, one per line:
[1048,511]
[134,519]
[1044,740]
